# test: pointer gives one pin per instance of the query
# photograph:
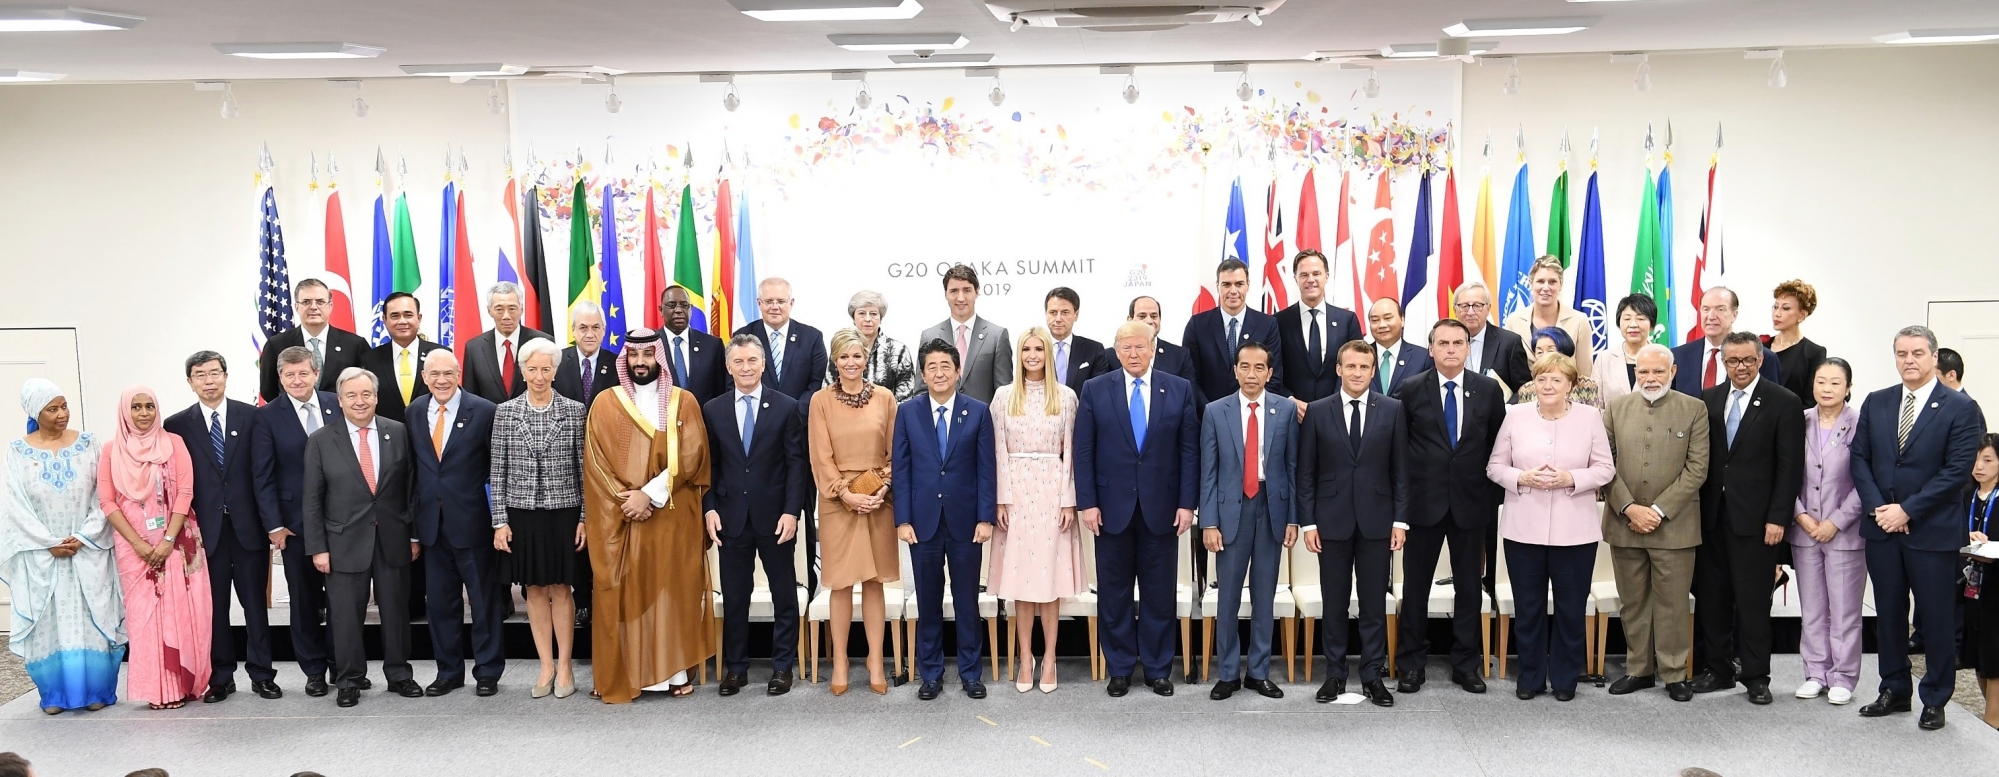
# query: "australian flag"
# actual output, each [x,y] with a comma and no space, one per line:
[274,284]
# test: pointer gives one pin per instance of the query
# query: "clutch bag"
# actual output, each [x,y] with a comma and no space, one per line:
[867,483]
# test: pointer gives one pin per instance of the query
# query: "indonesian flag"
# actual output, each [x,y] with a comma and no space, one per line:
[1275,297]
[1381,244]
[1343,249]
[1710,256]
[1451,252]
[336,262]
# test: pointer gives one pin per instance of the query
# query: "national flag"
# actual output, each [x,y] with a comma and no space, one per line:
[1343,250]
[1591,298]
[746,262]
[1710,237]
[532,308]
[1667,314]
[687,261]
[1483,246]
[1381,243]
[1235,244]
[274,280]
[337,280]
[1308,215]
[655,262]
[1648,262]
[408,274]
[464,295]
[381,266]
[534,262]
[1451,257]
[1275,297]
[1519,249]
[1560,245]
[583,280]
[447,234]
[506,274]
[610,274]
[721,304]
[1419,247]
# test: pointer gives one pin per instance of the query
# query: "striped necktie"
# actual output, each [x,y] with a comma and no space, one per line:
[1908,420]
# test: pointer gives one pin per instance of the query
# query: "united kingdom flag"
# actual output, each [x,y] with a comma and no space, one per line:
[274,286]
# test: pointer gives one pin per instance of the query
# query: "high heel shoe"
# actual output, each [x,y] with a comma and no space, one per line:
[879,688]
[565,691]
[838,683]
[541,691]
[1048,686]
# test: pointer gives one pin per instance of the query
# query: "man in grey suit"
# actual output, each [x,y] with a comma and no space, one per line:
[357,506]
[1249,441]
[987,351]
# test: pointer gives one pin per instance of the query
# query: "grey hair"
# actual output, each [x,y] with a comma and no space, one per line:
[865,298]
[203,357]
[745,341]
[1655,349]
[297,354]
[584,306]
[1480,285]
[441,353]
[1918,330]
[504,287]
[535,346]
[771,281]
[351,373]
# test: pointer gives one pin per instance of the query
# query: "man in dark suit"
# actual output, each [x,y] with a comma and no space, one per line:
[1352,490]
[1212,336]
[1137,460]
[335,348]
[1697,365]
[218,431]
[761,482]
[277,466]
[1076,358]
[797,363]
[398,363]
[1168,358]
[1395,359]
[587,367]
[1453,417]
[492,370]
[357,508]
[453,520]
[1912,455]
[1249,442]
[1493,351]
[945,517]
[1756,466]
[692,357]
[1311,331]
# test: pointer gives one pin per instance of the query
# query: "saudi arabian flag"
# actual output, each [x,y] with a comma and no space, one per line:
[583,283]
[1648,264]
[1560,245]
[687,261]
[408,274]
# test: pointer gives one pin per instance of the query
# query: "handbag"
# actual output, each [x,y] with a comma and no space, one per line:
[867,483]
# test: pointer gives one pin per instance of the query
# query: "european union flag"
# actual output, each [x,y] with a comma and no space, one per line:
[613,299]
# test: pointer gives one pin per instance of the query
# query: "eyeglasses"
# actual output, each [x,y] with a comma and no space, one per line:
[206,374]
[314,303]
[677,306]
[1472,306]
[1741,361]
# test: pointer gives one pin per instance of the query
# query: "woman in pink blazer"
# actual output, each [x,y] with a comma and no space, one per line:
[1827,551]
[1551,457]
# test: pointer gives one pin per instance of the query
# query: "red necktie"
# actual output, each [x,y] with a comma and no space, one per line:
[367,459]
[507,365]
[1707,378]
[1251,442]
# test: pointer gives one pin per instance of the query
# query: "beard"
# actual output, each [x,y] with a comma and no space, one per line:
[644,375]
[1653,395]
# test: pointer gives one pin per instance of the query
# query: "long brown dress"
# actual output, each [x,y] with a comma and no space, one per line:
[651,616]
[847,441]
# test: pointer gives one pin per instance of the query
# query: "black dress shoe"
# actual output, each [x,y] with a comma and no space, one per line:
[1268,689]
[1161,686]
[486,686]
[316,687]
[1332,690]
[732,683]
[1931,720]
[1377,692]
[1680,691]
[1470,681]
[349,697]
[1632,684]
[975,689]
[438,687]
[1118,686]
[582,617]
[408,689]
[1709,682]
[929,690]
[1884,705]
[1224,689]
[1759,691]
[779,685]
[1411,682]
[1525,693]
[364,683]
[1568,695]
[217,693]
[267,689]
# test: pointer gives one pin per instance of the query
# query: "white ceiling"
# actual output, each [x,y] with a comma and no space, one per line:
[686,36]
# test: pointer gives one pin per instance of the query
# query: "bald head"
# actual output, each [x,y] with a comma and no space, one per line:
[440,373]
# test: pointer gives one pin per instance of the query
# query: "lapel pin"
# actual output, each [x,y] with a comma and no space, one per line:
[336,348]
[232,433]
[766,405]
[982,335]
[1756,403]
[697,349]
[1933,404]
[461,424]
[1084,364]
[793,338]
[385,438]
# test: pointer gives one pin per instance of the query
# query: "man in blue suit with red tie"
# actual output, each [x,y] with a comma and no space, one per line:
[1137,454]
[946,516]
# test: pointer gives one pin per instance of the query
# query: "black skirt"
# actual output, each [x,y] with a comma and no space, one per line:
[544,546]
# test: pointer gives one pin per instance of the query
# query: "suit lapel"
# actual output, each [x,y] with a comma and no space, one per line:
[236,420]
[1924,413]
[1232,412]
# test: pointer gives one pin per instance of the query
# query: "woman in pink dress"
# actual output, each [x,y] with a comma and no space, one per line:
[145,486]
[1037,549]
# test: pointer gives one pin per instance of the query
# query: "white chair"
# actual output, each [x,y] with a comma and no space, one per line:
[1284,611]
[1185,607]
[989,607]
[762,606]
[1784,601]
[1084,604]
[1310,599]
[820,610]
[1443,601]
[1505,603]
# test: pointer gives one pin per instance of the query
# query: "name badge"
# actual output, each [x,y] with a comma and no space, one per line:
[156,523]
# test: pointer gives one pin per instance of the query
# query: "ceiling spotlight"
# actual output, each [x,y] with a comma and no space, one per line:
[1130,90]
[494,102]
[1018,22]
[1372,87]
[730,102]
[1244,90]
[228,101]
[1512,85]
[64,20]
[1644,80]
[360,107]
[997,94]
[1778,78]
[861,97]
[611,101]
[827,10]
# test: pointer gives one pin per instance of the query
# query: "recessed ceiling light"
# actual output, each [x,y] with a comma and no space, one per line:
[64,19]
[300,50]
[1506,27]
[1940,36]
[1420,50]
[481,70]
[827,10]
[900,42]
[18,76]
[940,60]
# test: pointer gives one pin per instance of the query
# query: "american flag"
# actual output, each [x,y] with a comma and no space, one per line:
[274,292]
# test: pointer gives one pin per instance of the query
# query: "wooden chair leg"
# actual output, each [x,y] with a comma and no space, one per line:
[1485,642]
[1393,621]
[1096,655]
[801,639]
[1207,646]
[1311,632]
[812,670]
[1504,633]
[992,643]
[1186,649]
[1589,646]
[1290,649]
[1602,641]
[1012,639]
[895,642]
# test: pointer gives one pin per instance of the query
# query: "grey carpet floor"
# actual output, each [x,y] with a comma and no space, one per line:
[1076,730]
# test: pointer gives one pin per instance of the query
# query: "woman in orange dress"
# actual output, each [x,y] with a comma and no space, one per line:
[851,426]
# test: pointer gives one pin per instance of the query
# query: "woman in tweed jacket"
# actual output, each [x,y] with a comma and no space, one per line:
[537,500]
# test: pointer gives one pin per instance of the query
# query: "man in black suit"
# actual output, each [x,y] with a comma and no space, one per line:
[1698,364]
[335,348]
[1352,492]
[452,519]
[1754,473]
[1493,352]
[1076,358]
[277,465]
[796,366]
[357,529]
[218,431]
[1167,357]
[492,370]
[1212,336]
[762,482]
[1312,331]
[587,367]
[1453,417]
[692,357]
[398,363]
[1395,359]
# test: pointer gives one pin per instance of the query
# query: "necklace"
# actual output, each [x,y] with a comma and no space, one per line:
[859,400]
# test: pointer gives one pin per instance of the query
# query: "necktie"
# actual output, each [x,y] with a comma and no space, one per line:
[507,366]
[1138,412]
[215,435]
[1713,362]
[1734,414]
[679,363]
[1062,363]
[405,379]
[1315,347]
[1252,440]
[1353,427]
[1234,332]
[1385,372]
[318,357]
[367,458]
[311,419]
[589,374]
[437,432]
[749,421]
[1451,412]
[777,355]
[1908,419]
[961,341]
[943,430]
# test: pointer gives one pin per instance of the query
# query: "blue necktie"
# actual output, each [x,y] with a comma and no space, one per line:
[1734,415]
[1451,412]
[679,365]
[1138,412]
[749,421]
[1062,363]
[215,439]
[943,431]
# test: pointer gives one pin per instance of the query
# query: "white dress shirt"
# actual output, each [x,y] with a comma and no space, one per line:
[500,343]
[448,409]
[1475,354]
[307,412]
[1347,413]
[374,446]
[1146,394]
[1239,327]
[1922,393]
[756,398]
[215,418]
[1263,426]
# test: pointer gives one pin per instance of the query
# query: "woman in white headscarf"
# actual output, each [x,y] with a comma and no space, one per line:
[56,557]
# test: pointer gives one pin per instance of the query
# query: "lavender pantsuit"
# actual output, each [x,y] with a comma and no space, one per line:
[1832,576]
